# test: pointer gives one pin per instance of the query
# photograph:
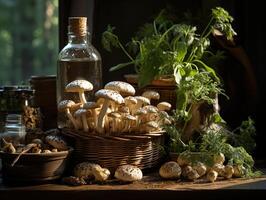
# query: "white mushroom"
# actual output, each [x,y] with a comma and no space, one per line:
[186,170]
[92,106]
[115,118]
[109,96]
[141,101]
[164,106]
[130,102]
[239,171]
[193,175]
[65,105]
[170,170]
[128,173]
[82,113]
[149,127]
[79,86]
[123,88]
[212,175]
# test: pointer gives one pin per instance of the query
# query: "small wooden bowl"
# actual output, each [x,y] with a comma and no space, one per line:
[32,167]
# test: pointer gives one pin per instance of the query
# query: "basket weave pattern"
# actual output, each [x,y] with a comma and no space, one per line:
[143,151]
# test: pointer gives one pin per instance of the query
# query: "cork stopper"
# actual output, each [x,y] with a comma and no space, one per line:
[77,25]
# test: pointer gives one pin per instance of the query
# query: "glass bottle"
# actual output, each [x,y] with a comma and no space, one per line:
[77,60]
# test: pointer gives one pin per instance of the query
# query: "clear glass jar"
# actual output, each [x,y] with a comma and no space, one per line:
[78,60]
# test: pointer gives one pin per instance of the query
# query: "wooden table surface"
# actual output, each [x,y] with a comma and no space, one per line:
[150,187]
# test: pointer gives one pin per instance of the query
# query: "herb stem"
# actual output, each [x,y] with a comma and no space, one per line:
[124,50]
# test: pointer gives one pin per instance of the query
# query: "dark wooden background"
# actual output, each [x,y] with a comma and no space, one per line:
[128,15]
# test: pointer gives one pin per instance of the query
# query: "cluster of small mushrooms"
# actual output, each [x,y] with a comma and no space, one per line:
[192,171]
[116,110]
[86,172]
[49,144]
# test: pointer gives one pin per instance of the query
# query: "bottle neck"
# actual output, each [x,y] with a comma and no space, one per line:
[78,39]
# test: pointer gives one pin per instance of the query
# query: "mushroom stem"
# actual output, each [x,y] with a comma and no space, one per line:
[84,122]
[71,118]
[82,97]
[100,123]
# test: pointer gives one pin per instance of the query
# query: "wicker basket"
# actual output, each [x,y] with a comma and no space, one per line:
[144,151]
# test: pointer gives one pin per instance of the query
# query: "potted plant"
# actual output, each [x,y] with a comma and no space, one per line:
[180,56]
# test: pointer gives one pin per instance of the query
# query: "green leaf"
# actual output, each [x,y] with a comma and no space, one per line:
[121,65]
[208,69]
[181,50]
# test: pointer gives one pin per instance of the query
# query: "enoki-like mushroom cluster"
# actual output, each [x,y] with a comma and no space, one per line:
[116,110]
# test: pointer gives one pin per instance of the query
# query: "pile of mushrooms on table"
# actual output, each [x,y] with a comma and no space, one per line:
[116,110]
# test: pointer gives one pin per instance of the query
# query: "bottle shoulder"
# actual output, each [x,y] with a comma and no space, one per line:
[79,51]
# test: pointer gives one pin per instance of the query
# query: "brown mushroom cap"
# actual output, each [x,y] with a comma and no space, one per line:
[79,85]
[151,94]
[91,105]
[128,173]
[162,106]
[125,89]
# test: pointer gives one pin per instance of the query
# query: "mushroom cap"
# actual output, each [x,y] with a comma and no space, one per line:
[123,109]
[151,94]
[85,169]
[57,142]
[143,100]
[100,174]
[170,170]
[130,100]
[114,115]
[128,173]
[164,106]
[150,109]
[91,105]
[123,88]
[192,175]
[65,104]
[200,168]
[141,111]
[152,124]
[110,95]
[80,112]
[219,158]
[79,86]
[218,168]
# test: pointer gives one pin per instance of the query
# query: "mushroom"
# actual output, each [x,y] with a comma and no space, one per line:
[228,171]
[128,118]
[109,96]
[82,113]
[219,158]
[56,142]
[186,170]
[92,106]
[200,168]
[128,173]
[140,102]
[8,147]
[79,86]
[218,168]
[212,175]
[130,102]
[149,127]
[100,174]
[170,170]
[115,117]
[84,170]
[65,105]
[239,171]
[164,106]
[151,94]
[123,88]
[192,175]
[46,151]
[151,111]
